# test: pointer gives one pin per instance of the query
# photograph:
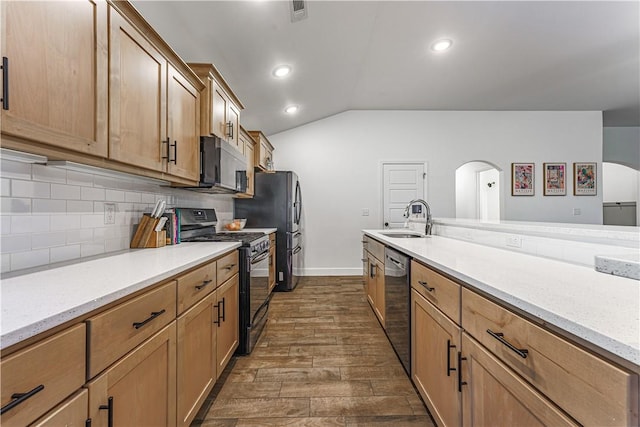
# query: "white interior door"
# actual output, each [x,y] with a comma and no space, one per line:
[402,182]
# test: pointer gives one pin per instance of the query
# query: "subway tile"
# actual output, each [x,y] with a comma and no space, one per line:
[89,249]
[79,178]
[48,240]
[29,259]
[133,197]
[148,198]
[15,243]
[98,207]
[31,189]
[5,260]
[116,244]
[49,174]
[80,236]
[79,206]
[10,205]
[64,191]
[5,224]
[90,193]
[5,190]
[64,222]
[49,206]
[64,253]
[17,170]
[30,224]
[91,220]
[114,195]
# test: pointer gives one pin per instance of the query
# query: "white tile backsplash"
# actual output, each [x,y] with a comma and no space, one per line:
[57,215]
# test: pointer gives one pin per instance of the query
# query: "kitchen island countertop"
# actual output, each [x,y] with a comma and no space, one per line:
[36,302]
[601,311]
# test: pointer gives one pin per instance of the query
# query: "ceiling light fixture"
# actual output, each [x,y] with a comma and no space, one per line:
[281,71]
[291,109]
[441,45]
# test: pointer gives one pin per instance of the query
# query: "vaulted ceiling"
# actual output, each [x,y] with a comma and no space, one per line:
[345,55]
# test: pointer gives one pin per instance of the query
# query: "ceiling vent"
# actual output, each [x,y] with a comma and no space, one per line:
[298,10]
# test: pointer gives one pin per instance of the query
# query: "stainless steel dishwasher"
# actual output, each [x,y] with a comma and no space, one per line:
[397,297]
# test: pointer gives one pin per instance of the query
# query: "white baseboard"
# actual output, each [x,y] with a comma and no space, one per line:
[330,272]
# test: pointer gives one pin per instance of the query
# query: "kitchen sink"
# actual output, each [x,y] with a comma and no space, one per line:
[403,235]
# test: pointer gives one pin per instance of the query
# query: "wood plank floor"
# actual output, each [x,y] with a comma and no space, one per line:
[323,360]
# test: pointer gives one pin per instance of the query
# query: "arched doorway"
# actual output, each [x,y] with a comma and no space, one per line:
[620,194]
[478,191]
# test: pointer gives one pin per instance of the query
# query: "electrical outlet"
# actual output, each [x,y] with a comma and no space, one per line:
[577,211]
[514,241]
[109,213]
[365,212]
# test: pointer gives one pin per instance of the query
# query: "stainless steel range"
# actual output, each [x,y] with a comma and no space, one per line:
[199,225]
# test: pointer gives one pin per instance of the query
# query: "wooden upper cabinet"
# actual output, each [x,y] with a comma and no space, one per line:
[57,73]
[246,141]
[137,95]
[183,106]
[264,151]
[220,108]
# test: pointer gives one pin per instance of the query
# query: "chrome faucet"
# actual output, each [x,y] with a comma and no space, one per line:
[429,225]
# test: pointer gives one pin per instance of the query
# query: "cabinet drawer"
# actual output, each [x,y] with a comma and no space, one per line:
[374,247]
[591,390]
[227,267]
[73,412]
[440,291]
[118,330]
[51,369]
[194,286]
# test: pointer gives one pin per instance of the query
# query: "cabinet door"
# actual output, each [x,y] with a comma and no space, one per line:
[219,109]
[228,326]
[379,289]
[183,122]
[371,280]
[272,268]
[139,389]
[196,357]
[137,97]
[495,395]
[73,412]
[435,341]
[57,73]
[233,126]
[249,153]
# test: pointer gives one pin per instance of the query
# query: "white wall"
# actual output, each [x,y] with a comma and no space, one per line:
[338,160]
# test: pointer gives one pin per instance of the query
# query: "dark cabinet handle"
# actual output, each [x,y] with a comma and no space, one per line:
[449,368]
[18,398]
[175,153]
[154,314]
[109,408]
[230,129]
[5,83]
[224,305]
[204,283]
[229,266]
[426,286]
[87,423]
[522,352]
[220,306]
[460,382]
[372,268]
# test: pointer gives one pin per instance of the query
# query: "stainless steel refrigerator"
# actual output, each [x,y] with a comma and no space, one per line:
[277,202]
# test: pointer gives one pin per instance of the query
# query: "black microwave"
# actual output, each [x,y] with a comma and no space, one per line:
[223,169]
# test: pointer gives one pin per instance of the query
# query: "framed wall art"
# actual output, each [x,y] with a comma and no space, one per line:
[584,179]
[555,179]
[522,179]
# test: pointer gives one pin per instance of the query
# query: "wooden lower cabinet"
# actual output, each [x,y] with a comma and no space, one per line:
[196,357]
[73,412]
[228,295]
[272,268]
[493,395]
[434,364]
[375,288]
[140,388]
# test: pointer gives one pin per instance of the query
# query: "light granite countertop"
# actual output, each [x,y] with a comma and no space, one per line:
[602,310]
[36,302]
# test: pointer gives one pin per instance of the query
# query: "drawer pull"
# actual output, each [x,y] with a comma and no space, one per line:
[522,352]
[460,382]
[426,286]
[154,314]
[109,408]
[204,283]
[87,423]
[18,398]
[229,267]
[449,368]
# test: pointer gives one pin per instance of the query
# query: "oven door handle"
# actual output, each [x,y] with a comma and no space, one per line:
[262,257]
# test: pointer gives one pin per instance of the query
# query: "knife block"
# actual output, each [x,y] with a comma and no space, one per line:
[146,236]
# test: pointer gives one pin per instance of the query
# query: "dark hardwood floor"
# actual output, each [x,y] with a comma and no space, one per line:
[323,360]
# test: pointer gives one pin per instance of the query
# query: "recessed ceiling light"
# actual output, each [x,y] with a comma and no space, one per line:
[291,109]
[441,45]
[281,71]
